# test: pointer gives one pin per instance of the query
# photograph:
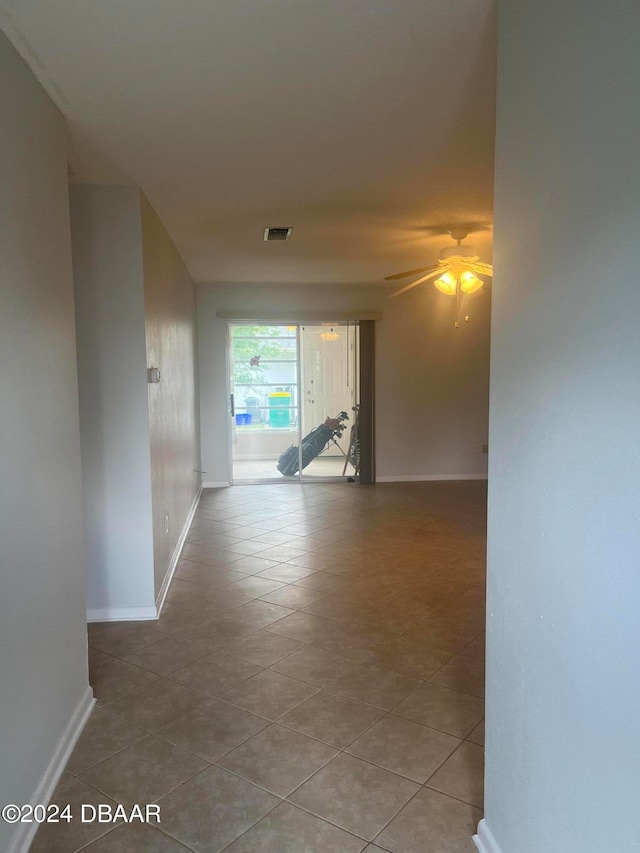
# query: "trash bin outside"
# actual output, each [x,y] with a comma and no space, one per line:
[253,409]
[279,411]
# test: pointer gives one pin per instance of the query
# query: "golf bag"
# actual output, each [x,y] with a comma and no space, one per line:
[311,445]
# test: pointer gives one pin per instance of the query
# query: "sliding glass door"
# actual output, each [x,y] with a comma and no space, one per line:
[285,381]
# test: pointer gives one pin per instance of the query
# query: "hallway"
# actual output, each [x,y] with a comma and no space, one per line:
[314,683]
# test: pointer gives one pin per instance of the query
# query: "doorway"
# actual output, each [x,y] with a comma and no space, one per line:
[284,382]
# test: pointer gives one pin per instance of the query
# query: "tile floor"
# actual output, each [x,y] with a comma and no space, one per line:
[314,684]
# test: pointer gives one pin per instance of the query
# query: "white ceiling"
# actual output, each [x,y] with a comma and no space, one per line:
[366,125]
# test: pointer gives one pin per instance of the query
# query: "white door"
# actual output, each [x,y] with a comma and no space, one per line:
[328,375]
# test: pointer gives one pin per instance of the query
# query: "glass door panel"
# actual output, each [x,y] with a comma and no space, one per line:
[329,376]
[266,412]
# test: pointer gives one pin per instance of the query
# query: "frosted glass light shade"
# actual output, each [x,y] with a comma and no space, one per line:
[446,284]
[469,282]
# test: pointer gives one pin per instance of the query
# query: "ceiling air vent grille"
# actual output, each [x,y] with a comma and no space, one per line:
[276,234]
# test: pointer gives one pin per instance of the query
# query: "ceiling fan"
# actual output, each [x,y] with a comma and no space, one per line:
[456,272]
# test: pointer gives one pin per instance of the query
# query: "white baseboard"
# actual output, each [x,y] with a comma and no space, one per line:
[417,478]
[164,588]
[217,485]
[484,840]
[25,831]
[122,614]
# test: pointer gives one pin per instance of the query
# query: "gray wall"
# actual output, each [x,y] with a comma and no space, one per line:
[169,297]
[43,642]
[563,666]
[114,419]
[135,307]
[431,379]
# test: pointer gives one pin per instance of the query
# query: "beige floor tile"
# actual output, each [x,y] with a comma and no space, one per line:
[175,618]
[282,553]
[307,544]
[393,578]
[217,632]
[135,838]
[143,772]
[213,602]
[212,730]
[462,775]
[278,759]
[382,688]
[219,557]
[249,531]
[255,586]
[314,666]
[358,640]
[97,658]
[121,638]
[212,578]
[274,537]
[443,823]
[355,795]
[113,680]
[103,736]
[463,674]
[288,829]
[67,837]
[476,648]
[441,708]
[286,573]
[302,626]
[323,582]
[259,614]
[213,809]
[247,547]
[313,560]
[253,565]
[156,705]
[331,718]
[411,658]
[215,674]
[477,735]
[269,694]
[186,569]
[294,596]
[448,636]
[336,608]
[331,534]
[263,648]
[404,747]
[169,655]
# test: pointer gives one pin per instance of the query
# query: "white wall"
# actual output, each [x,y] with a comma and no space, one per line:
[431,379]
[114,418]
[43,641]
[169,297]
[563,664]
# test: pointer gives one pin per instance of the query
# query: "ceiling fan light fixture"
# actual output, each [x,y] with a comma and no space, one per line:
[329,336]
[469,282]
[447,284]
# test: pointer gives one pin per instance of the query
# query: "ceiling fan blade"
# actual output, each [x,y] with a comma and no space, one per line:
[412,272]
[432,274]
[483,269]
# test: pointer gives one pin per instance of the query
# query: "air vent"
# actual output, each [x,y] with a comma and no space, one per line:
[276,234]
